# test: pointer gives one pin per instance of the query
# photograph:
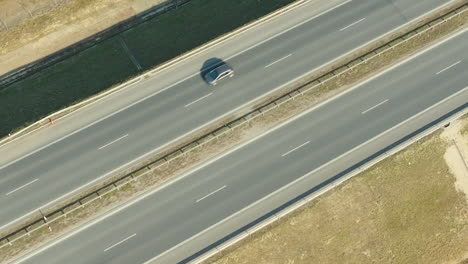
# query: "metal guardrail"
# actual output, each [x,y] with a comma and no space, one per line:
[305,198]
[51,217]
[15,135]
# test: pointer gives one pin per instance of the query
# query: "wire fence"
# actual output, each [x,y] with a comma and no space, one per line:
[51,217]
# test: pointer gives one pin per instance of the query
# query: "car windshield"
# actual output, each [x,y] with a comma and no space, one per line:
[214,74]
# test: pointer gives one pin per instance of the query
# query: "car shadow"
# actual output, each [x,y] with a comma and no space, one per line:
[209,65]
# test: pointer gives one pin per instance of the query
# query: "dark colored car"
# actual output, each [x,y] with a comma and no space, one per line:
[217,74]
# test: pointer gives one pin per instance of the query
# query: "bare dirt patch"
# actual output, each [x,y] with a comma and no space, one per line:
[405,209]
[238,135]
[32,38]
[456,155]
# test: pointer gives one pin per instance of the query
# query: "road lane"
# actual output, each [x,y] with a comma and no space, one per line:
[170,215]
[77,161]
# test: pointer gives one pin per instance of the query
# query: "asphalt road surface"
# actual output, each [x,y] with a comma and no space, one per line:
[169,216]
[55,171]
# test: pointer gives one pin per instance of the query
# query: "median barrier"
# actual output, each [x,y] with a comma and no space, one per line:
[306,198]
[93,40]
[39,224]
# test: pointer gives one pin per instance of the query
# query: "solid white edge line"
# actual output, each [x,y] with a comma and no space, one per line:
[435,45]
[184,135]
[304,176]
[118,243]
[217,44]
[288,29]
[276,61]
[199,99]
[446,68]
[375,106]
[112,142]
[180,81]
[97,121]
[211,193]
[352,24]
[170,182]
[21,187]
[296,148]
[222,116]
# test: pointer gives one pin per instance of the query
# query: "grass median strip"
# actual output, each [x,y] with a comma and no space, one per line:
[409,208]
[241,133]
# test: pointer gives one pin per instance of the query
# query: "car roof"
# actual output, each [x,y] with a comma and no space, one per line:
[222,68]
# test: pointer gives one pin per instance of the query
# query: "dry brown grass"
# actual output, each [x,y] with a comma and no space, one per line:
[58,27]
[44,24]
[227,141]
[405,209]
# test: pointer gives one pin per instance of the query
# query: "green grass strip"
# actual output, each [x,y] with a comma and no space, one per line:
[106,64]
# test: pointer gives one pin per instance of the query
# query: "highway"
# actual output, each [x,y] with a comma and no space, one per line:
[77,160]
[225,186]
